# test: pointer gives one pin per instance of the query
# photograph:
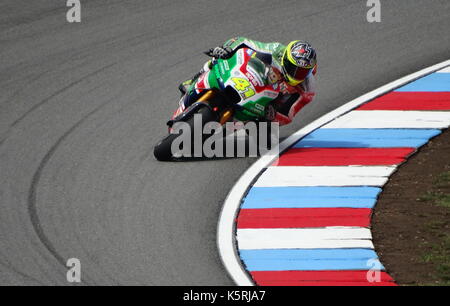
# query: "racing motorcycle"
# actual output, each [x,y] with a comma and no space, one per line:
[234,89]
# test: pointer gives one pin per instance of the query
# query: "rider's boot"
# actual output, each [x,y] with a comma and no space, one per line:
[183,87]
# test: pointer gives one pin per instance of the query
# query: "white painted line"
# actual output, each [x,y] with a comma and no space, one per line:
[226,240]
[392,120]
[320,238]
[445,70]
[324,176]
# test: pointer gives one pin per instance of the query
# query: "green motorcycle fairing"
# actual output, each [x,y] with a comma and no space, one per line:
[248,76]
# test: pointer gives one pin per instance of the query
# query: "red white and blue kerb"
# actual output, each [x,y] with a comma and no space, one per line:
[306,219]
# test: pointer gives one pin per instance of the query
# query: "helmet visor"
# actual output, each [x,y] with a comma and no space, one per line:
[296,73]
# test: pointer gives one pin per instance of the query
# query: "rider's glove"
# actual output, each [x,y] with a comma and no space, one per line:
[270,112]
[220,52]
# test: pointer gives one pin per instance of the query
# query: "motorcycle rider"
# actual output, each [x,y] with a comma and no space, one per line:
[293,70]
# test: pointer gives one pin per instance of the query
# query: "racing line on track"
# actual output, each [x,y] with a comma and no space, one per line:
[306,219]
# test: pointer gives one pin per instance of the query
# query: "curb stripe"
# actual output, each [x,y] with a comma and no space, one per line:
[317,276]
[410,101]
[354,279]
[309,260]
[431,83]
[324,176]
[317,238]
[343,156]
[303,217]
[327,284]
[311,197]
[309,265]
[316,254]
[392,120]
[367,138]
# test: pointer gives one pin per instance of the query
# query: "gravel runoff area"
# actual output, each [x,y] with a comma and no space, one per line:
[411,223]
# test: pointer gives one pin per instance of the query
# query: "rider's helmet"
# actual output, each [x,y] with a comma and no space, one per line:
[298,62]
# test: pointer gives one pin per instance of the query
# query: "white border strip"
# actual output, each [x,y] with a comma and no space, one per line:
[226,240]
[304,238]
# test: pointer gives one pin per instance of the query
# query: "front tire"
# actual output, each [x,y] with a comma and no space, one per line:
[163,150]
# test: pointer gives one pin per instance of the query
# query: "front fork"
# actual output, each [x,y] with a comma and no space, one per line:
[223,115]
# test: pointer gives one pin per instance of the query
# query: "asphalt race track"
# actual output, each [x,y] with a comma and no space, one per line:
[81,106]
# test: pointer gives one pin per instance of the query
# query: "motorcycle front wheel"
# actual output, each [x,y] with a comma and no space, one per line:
[163,150]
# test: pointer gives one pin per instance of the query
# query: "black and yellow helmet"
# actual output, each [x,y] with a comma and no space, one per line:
[298,61]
